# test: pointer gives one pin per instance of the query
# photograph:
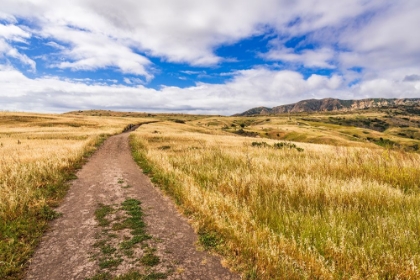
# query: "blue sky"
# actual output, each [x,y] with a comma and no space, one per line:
[209,57]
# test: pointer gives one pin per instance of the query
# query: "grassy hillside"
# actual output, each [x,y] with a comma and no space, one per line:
[38,154]
[396,130]
[283,210]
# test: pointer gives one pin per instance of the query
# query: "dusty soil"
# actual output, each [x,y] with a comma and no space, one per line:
[68,250]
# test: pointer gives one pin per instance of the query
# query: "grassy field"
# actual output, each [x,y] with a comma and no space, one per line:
[38,154]
[347,210]
[318,196]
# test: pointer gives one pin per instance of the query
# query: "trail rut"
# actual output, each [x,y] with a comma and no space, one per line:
[111,176]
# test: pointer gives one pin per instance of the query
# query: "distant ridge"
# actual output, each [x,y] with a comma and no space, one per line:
[332,104]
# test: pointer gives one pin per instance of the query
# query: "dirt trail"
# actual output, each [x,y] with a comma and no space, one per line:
[111,176]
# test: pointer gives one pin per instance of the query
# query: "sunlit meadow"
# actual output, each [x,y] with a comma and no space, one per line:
[318,212]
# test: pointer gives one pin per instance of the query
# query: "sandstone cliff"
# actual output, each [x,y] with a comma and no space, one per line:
[332,104]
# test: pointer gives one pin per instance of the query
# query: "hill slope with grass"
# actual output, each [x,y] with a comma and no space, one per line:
[329,205]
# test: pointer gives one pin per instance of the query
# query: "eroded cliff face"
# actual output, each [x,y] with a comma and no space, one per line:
[332,104]
[371,103]
[377,103]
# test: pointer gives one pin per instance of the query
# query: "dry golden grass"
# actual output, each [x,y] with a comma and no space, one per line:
[360,129]
[328,212]
[38,153]
[345,210]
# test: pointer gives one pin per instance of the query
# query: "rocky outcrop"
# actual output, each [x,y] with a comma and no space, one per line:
[332,104]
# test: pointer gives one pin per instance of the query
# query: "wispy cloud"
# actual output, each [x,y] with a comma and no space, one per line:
[10,34]
[90,51]
[319,58]
[55,45]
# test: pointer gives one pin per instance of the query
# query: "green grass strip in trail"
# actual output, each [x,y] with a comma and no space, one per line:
[115,249]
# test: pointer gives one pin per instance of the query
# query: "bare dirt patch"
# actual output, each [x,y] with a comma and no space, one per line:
[99,235]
